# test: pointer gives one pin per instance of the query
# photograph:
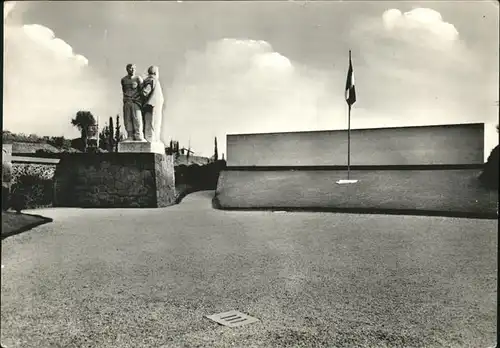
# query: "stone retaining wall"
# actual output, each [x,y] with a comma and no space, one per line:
[117,180]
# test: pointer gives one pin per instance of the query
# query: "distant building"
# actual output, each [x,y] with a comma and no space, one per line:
[185,151]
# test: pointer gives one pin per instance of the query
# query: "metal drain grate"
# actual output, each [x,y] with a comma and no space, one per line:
[232,318]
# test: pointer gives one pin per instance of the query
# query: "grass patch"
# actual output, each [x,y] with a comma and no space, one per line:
[433,192]
[13,223]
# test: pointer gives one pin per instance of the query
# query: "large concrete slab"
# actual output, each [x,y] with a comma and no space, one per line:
[446,144]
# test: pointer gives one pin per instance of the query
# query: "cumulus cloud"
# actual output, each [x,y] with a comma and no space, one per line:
[420,28]
[423,65]
[246,86]
[45,81]
[420,19]
[59,48]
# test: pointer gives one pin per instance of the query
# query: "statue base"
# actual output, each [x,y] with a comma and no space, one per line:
[115,180]
[141,147]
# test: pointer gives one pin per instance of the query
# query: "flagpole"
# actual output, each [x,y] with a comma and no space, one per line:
[349,141]
[349,133]
[350,99]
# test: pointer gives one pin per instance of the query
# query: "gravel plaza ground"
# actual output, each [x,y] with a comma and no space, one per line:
[147,277]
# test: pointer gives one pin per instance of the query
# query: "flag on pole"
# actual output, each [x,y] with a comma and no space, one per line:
[350,97]
[350,90]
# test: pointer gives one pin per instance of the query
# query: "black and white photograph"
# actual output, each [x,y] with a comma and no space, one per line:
[252,174]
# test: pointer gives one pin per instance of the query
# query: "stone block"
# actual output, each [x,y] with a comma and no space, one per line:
[118,180]
[141,147]
[165,180]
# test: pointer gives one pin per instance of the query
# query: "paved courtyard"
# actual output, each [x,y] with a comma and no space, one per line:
[147,277]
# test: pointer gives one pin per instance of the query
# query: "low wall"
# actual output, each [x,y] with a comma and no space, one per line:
[185,160]
[43,168]
[34,160]
[118,180]
[447,144]
[43,171]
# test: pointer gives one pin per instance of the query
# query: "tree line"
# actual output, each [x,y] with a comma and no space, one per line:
[93,140]
[59,142]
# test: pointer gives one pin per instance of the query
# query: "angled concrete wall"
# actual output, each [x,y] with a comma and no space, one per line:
[410,192]
[448,144]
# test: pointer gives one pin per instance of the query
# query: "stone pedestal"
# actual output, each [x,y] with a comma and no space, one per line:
[115,180]
[141,146]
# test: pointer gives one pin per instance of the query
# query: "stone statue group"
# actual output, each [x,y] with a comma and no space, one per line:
[142,105]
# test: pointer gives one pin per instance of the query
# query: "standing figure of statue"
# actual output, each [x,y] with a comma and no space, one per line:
[132,113]
[152,105]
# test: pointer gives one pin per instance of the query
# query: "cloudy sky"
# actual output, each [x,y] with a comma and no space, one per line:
[246,67]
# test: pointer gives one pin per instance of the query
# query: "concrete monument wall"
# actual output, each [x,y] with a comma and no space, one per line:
[447,144]
[117,180]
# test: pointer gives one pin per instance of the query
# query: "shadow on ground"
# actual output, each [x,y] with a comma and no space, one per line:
[14,223]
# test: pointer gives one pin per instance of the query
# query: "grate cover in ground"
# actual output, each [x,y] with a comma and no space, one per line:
[232,318]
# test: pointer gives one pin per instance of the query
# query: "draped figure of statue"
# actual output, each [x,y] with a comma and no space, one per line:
[152,107]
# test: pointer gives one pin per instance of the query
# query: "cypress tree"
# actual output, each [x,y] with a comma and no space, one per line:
[117,133]
[216,152]
[111,135]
